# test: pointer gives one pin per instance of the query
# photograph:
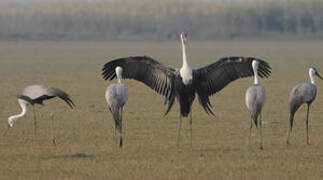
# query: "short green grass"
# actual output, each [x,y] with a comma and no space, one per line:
[86,148]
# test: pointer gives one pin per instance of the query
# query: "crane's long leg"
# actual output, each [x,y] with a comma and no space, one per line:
[25,117]
[179,126]
[307,138]
[250,125]
[124,124]
[121,131]
[35,122]
[250,129]
[51,124]
[288,134]
[115,131]
[191,122]
[261,140]
[291,120]
[115,127]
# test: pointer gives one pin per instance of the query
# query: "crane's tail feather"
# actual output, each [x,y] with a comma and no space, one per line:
[206,104]
[64,96]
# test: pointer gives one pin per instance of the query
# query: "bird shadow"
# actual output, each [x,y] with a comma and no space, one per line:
[70,156]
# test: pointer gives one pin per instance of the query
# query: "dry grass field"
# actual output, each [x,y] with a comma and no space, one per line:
[86,148]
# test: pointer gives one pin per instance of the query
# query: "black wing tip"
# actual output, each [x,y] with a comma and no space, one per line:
[64,96]
[264,70]
[205,103]
[70,103]
[208,109]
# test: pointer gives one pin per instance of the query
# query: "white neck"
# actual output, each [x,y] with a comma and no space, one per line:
[312,77]
[186,70]
[23,105]
[256,77]
[185,63]
[256,81]
[119,79]
[119,74]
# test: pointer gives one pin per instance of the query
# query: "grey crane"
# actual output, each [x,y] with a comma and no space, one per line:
[36,94]
[255,100]
[301,94]
[185,82]
[116,95]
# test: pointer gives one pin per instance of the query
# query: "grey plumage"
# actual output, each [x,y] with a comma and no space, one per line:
[116,96]
[36,94]
[304,93]
[255,100]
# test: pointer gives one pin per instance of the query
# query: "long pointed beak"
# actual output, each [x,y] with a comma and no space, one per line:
[183,36]
[318,75]
[6,131]
[185,39]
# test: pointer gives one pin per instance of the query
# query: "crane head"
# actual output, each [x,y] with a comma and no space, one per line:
[11,121]
[255,64]
[119,72]
[314,71]
[184,37]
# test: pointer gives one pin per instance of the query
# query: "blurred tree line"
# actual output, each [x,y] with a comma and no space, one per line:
[162,20]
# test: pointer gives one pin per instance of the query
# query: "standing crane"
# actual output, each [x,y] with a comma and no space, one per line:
[183,83]
[255,100]
[301,94]
[36,94]
[116,96]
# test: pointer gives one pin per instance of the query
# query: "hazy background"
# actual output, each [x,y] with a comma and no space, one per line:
[65,45]
[160,20]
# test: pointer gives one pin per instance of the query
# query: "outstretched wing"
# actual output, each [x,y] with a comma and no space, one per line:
[212,78]
[157,76]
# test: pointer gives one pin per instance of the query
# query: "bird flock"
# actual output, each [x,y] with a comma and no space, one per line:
[182,84]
